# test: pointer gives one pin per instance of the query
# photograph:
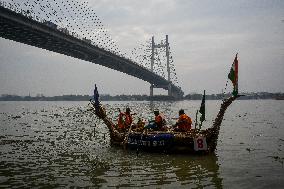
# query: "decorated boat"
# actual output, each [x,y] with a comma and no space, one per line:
[200,141]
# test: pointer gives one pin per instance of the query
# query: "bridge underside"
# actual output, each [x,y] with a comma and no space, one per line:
[19,28]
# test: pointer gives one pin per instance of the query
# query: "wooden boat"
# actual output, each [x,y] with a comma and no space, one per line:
[193,141]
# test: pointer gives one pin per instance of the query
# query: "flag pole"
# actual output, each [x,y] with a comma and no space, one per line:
[237,74]
[196,121]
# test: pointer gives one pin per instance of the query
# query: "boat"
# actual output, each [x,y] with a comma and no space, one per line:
[195,141]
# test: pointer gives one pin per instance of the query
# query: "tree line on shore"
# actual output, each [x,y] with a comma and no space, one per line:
[107,97]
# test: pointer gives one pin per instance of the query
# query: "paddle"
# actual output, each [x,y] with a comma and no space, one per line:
[126,136]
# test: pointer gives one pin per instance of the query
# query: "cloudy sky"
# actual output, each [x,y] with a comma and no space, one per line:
[204,37]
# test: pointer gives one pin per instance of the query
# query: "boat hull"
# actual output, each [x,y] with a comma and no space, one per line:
[166,142]
[160,142]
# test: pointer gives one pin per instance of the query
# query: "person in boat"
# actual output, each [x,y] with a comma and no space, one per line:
[184,122]
[157,124]
[124,119]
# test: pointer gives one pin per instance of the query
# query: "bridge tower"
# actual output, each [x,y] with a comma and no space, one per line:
[166,46]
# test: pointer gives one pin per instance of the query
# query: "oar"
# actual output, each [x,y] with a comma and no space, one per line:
[126,136]
[137,145]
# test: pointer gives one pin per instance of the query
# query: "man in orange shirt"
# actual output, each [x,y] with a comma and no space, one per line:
[158,123]
[184,122]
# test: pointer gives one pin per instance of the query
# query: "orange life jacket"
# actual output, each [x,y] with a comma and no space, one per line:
[184,123]
[124,120]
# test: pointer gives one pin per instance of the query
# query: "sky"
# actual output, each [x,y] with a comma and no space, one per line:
[204,37]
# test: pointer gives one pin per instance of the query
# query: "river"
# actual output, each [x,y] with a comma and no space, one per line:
[61,144]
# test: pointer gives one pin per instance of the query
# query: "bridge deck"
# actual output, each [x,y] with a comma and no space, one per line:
[19,28]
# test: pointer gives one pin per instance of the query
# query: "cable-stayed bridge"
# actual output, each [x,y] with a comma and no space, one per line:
[72,28]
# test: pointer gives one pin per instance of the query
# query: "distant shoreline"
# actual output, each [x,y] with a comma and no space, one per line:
[247,96]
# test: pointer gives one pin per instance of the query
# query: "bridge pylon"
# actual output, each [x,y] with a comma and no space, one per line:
[166,46]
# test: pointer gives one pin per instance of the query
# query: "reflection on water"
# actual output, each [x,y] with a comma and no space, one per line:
[159,170]
[56,144]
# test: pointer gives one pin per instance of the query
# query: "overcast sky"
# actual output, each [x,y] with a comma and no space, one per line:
[204,37]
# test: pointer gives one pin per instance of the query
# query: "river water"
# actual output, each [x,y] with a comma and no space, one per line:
[61,144]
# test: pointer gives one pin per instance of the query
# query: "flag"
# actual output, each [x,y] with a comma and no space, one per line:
[233,75]
[96,97]
[202,108]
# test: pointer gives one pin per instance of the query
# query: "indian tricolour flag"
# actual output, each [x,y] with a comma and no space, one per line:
[233,75]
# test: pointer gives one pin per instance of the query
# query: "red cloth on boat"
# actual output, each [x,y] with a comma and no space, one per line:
[124,120]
